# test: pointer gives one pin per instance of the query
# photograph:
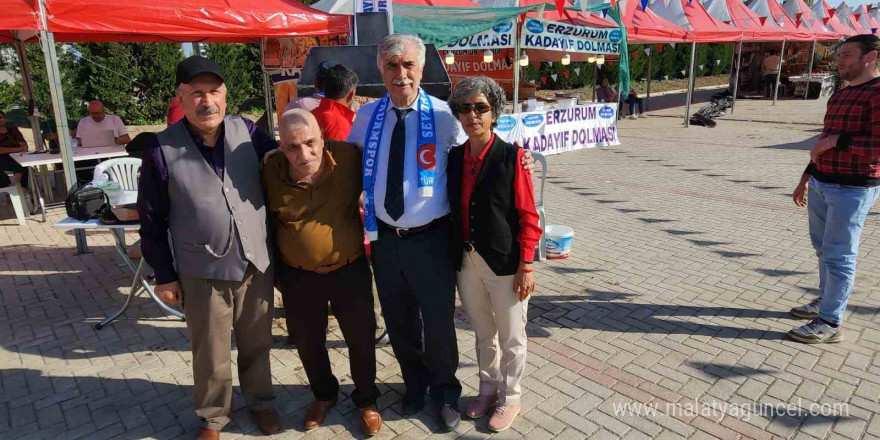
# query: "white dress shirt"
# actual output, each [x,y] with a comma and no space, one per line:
[110,122]
[417,211]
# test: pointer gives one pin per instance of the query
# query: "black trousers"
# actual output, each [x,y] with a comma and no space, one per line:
[7,163]
[415,279]
[86,172]
[349,291]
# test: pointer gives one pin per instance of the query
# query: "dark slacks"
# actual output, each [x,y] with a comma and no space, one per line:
[415,279]
[349,291]
[634,101]
[7,163]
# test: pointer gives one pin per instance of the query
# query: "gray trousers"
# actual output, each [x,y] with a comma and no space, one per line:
[215,308]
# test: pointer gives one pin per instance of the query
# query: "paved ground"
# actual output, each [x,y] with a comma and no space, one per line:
[687,257]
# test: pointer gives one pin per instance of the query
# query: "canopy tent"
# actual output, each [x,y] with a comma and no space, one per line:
[875,15]
[672,11]
[645,26]
[706,29]
[801,13]
[157,20]
[18,15]
[770,10]
[845,14]
[700,27]
[826,14]
[864,18]
[738,14]
[187,20]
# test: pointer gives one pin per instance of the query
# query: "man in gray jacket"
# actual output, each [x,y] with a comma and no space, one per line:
[200,182]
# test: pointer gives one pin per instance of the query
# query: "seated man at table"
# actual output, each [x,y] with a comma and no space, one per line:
[605,93]
[98,120]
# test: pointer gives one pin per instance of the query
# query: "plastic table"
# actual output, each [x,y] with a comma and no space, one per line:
[138,282]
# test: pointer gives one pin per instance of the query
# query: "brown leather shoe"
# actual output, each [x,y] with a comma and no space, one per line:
[316,413]
[268,420]
[208,434]
[371,420]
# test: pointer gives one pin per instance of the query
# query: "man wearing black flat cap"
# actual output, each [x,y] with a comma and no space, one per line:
[200,182]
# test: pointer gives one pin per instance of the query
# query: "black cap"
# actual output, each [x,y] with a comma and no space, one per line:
[195,66]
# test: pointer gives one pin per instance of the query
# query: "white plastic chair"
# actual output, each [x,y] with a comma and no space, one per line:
[17,199]
[122,170]
[541,251]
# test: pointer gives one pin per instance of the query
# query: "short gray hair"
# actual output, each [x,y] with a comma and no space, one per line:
[296,118]
[473,86]
[396,44]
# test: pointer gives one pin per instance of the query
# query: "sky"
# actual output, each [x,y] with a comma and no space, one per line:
[836,3]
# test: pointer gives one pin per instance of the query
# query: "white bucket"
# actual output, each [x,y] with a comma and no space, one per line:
[558,241]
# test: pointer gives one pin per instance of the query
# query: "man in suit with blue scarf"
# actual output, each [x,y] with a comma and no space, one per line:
[406,137]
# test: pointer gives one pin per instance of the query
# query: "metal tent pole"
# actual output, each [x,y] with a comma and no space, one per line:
[28,87]
[354,19]
[516,66]
[778,73]
[270,109]
[690,93]
[648,98]
[810,70]
[595,80]
[47,40]
[739,54]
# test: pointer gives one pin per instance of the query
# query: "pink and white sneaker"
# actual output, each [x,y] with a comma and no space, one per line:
[480,406]
[503,417]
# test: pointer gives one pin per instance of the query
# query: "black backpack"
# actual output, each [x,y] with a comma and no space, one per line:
[86,202]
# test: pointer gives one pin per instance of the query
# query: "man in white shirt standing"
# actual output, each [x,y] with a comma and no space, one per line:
[99,120]
[770,66]
[406,137]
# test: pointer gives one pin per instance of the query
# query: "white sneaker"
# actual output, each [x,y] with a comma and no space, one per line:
[632,117]
[642,115]
[816,332]
[807,311]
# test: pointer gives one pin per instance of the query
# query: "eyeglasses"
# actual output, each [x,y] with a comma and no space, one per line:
[479,107]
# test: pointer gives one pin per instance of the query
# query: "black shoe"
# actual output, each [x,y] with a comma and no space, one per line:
[413,403]
[448,416]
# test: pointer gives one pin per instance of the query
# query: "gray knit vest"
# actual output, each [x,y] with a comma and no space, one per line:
[217,226]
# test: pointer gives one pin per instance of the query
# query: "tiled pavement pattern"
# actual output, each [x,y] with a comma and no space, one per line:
[688,255]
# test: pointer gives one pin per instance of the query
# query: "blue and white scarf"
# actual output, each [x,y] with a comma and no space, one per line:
[425,157]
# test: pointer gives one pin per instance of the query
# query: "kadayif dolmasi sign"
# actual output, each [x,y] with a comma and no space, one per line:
[564,37]
[500,36]
[559,130]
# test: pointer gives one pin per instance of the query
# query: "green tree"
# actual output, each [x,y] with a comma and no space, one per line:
[37,65]
[244,77]
[135,81]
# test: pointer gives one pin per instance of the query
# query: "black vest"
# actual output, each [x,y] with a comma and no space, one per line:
[494,221]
